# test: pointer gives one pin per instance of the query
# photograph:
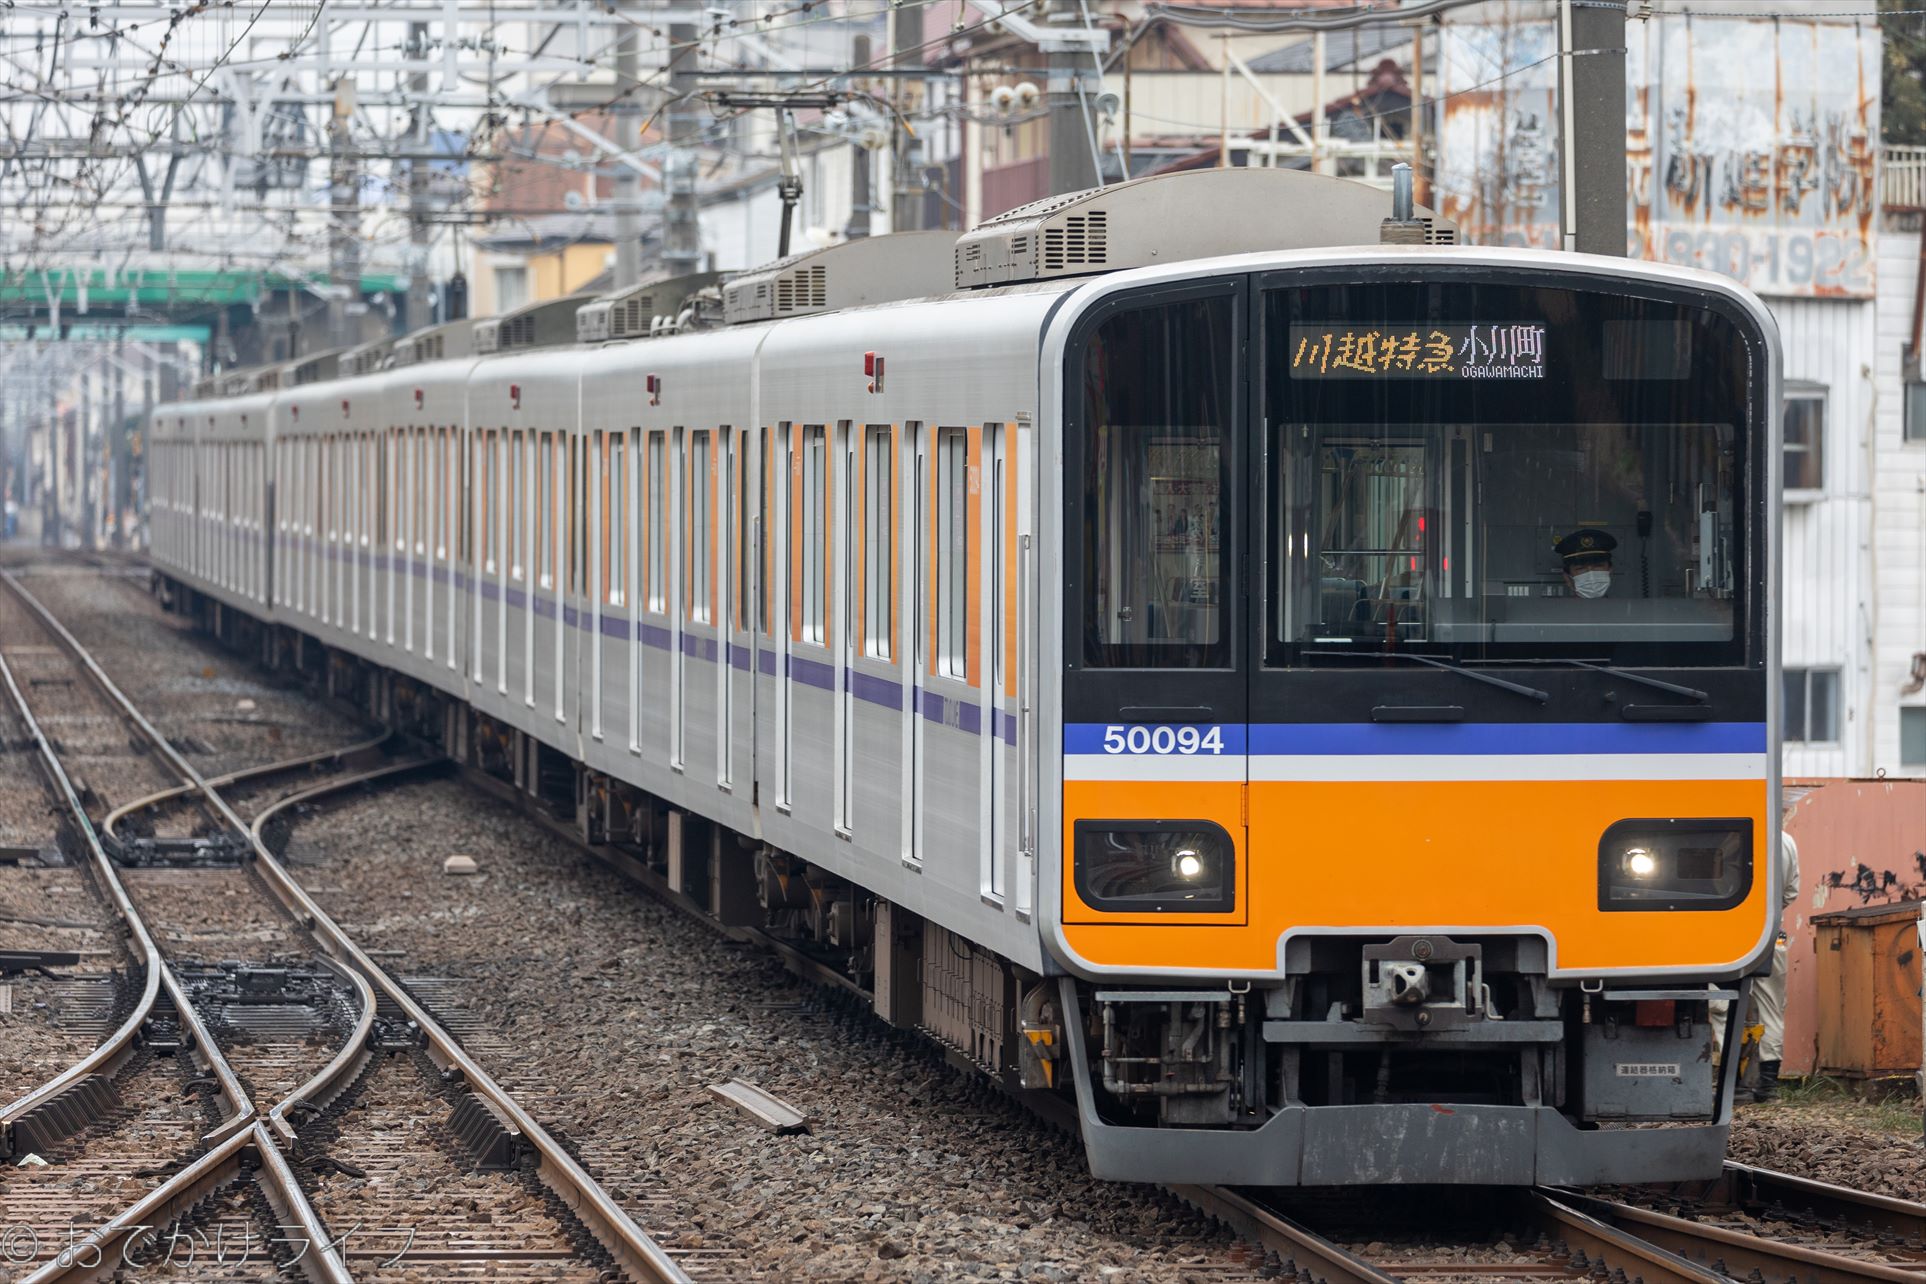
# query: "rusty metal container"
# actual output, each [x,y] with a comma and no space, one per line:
[1869,991]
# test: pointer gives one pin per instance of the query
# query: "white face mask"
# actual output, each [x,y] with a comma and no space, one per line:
[1591,583]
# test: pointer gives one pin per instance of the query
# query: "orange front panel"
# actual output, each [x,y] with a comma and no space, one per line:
[1379,856]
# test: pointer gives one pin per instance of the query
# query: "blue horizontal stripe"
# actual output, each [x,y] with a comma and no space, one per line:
[1541,738]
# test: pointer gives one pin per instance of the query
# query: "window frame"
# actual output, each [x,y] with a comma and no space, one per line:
[701,585]
[1815,451]
[1912,409]
[1918,712]
[953,464]
[658,587]
[879,541]
[813,600]
[1806,674]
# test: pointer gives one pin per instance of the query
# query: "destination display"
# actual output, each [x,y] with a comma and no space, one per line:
[1500,350]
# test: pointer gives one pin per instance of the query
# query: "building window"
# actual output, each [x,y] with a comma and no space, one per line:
[814,478]
[1915,425]
[511,287]
[879,456]
[1912,735]
[952,553]
[1805,429]
[1811,706]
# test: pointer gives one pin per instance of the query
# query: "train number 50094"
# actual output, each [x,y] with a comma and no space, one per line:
[1162,739]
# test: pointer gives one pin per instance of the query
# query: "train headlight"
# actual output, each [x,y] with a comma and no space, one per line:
[1165,866]
[1675,864]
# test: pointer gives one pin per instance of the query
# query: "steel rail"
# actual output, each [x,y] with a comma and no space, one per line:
[607,1220]
[119,1045]
[1858,1208]
[332,1079]
[1312,1253]
[1737,1253]
[91,1257]
[240,1110]
[242,1127]
[1619,1250]
[120,813]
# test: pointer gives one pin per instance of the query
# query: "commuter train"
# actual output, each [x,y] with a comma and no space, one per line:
[1211,648]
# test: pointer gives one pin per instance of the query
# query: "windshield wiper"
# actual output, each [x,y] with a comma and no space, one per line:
[1516,688]
[1657,684]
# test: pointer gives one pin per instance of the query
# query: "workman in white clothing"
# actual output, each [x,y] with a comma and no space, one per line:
[1769,995]
[1761,1082]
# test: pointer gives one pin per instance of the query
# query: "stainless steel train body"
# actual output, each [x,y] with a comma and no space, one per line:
[1147,714]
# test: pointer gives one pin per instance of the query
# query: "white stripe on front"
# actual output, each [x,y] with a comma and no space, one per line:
[1153,766]
[1602,766]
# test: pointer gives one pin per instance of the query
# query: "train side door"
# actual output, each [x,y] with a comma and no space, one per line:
[1155,689]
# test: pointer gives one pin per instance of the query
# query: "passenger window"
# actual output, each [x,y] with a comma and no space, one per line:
[879,481]
[953,553]
[658,557]
[814,479]
[544,483]
[767,481]
[700,531]
[1157,403]
[518,496]
[614,494]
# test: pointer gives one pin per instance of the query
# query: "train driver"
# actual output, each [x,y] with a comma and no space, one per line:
[1587,557]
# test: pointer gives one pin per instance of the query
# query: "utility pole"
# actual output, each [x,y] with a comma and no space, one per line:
[344,200]
[859,161]
[1591,93]
[1070,87]
[682,227]
[419,311]
[628,184]
[905,160]
[84,459]
[116,489]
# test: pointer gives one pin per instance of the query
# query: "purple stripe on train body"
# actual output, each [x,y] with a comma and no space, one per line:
[867,687]
[871,689]
[812,673]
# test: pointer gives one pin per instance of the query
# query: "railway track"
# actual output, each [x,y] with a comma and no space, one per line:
[1751,1225]
[349,1073]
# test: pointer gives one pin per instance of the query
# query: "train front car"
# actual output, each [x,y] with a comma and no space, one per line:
[1418,789]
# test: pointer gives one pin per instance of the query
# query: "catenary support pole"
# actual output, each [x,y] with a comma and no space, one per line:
[1592,94]
[627,111]
[682,227]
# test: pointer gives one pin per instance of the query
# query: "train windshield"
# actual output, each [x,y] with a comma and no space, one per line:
[1482,471]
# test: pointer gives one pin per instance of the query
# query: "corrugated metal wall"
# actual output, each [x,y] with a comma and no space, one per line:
[1861,842]
[1828,609]
[1898,544]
